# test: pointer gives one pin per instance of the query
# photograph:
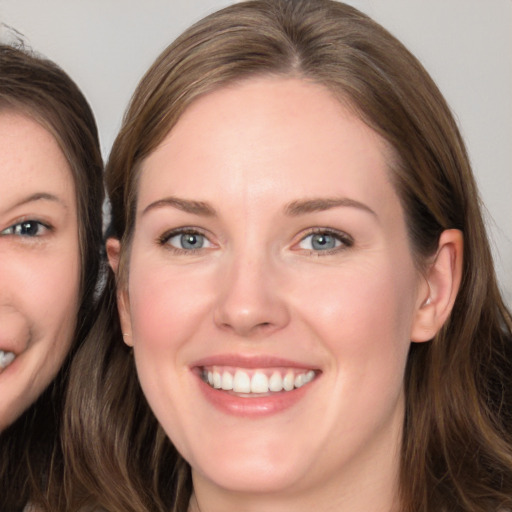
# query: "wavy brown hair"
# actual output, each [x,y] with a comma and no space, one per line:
[457,442]
[31,465]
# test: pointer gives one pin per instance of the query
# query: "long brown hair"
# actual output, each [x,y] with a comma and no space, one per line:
[457,443]
[31,465]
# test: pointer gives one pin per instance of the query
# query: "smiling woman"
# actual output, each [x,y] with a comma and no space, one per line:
[304,284]
[50,226]
[40,261]
[276,269]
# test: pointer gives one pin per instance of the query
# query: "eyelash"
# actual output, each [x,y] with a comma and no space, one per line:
[164,239]
[343,241]
[12,229]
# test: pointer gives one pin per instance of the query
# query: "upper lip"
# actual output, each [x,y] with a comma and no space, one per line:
[251,361]
[6,346]
[14,332]
[12,345]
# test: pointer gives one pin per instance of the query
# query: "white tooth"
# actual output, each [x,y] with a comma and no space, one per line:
[210,378]
[275,382]
[6,358]
[288,381]
[227,381]
[299,380]
[309,376]
[241,382]
[217,380]
[259,383]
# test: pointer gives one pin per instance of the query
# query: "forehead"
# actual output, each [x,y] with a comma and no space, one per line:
[30,156]
[264,135]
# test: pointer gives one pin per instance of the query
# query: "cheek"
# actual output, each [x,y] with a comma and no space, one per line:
[52,284]
[45,306]
[363,314]
[165,307]
[165,310]
[57,308]
[363,319]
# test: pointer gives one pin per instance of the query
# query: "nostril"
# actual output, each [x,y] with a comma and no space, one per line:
[247,328]
[249,309]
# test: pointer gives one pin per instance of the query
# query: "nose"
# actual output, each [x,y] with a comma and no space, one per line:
[250,302]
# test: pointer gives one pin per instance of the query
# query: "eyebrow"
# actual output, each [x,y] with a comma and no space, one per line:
[293,209]
[186,205]
[301,207]
[38,196]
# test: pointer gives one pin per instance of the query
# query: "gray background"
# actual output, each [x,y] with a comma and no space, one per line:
[106,45]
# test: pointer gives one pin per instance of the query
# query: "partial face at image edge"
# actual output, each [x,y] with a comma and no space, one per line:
[39,262]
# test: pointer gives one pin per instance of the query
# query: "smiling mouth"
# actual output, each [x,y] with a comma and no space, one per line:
[6,358]
[256,381]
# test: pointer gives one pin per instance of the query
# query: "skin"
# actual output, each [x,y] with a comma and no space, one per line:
[259,288]
[39,261]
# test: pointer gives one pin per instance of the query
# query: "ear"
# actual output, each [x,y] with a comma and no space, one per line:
[437,296]
[113,247]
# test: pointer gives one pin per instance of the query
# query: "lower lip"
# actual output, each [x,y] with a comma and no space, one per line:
[256,406]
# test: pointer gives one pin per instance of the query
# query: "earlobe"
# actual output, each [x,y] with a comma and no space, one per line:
[123,307]
[443,278]
[113,247]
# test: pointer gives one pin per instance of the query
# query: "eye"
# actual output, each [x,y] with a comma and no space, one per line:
[325,240]
[188,240]
[28,228]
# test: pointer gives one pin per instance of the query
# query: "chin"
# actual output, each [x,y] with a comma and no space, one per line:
[253,475]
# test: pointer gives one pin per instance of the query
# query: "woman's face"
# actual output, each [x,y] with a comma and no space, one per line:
[272,293]
[39,262]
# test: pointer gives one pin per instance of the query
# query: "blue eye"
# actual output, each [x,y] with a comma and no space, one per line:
[28,228]
[324,241]
[188,241]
